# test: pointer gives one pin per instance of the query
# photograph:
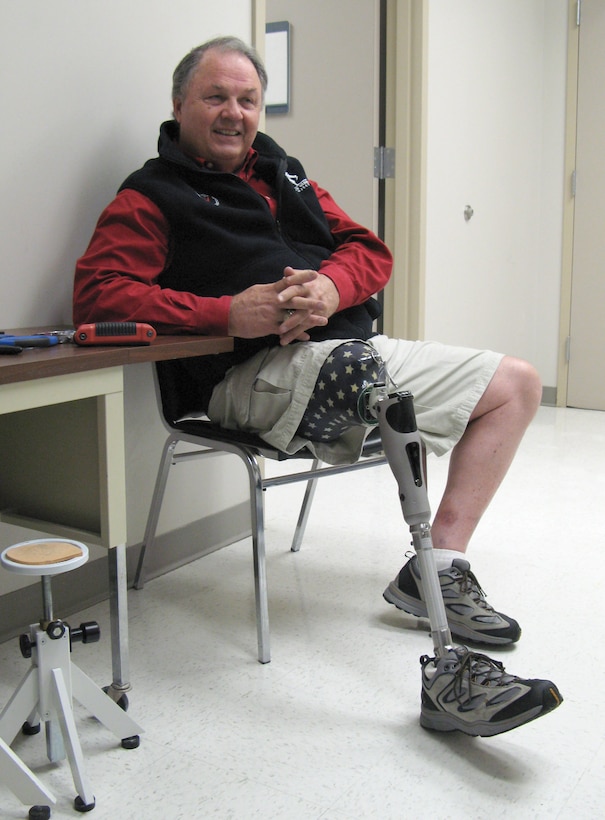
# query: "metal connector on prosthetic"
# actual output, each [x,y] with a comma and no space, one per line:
[403,449]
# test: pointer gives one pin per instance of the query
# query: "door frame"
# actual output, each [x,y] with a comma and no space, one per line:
[405,194]
[571,118]
[258,22]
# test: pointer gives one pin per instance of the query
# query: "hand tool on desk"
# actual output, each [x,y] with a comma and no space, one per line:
[36,340]
[61,336]
[114,333]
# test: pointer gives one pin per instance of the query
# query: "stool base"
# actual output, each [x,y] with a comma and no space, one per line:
[21,780]
[46,691]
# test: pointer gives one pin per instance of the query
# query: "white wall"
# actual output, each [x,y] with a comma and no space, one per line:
[83,89]
[496,97]
[84,86]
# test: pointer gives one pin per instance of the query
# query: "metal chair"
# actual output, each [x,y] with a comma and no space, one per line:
[172,387]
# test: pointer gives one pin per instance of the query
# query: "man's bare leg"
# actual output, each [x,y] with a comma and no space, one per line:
[483,455]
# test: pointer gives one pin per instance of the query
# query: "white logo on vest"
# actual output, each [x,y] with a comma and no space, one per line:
[298,186]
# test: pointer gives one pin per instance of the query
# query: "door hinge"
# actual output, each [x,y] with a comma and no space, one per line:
[578,12]
[384,162]
[573,182]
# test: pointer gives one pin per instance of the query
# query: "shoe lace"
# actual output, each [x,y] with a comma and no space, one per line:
[474,667]
[471,586]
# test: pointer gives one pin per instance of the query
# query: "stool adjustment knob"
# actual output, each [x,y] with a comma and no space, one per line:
[55,629]
[25,645]
[87,632]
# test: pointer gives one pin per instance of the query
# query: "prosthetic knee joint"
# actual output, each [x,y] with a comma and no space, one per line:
[405,454]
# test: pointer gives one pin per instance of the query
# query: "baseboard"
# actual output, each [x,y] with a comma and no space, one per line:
[549,396]
[178,547]
[88,585]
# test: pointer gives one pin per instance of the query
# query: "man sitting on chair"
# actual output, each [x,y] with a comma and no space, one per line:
[223,233]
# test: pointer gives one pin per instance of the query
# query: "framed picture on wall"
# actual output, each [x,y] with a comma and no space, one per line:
[277,63]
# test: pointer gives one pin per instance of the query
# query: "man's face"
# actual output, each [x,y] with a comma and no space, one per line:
[220,111]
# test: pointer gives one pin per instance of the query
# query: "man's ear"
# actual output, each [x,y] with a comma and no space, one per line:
[176,109]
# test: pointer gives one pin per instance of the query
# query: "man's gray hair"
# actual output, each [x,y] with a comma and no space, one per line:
[186,68]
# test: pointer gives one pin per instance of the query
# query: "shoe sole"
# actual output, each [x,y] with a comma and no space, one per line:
[442,722]
[393,595]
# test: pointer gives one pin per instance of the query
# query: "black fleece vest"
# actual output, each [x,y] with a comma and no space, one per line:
[223,237]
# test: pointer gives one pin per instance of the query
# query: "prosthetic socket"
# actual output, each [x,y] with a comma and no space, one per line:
[351,390]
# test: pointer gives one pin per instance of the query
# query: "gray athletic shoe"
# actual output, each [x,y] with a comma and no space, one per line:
[469,616]
[472,693]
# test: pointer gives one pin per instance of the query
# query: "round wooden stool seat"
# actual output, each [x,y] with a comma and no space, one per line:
[46,556]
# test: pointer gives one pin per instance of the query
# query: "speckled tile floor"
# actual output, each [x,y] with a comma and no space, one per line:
[329,729]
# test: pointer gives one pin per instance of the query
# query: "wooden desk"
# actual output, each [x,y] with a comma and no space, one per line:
[62,451]
[67,359]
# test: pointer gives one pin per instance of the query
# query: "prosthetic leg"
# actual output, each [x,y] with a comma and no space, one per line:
[403,449]
[461,690]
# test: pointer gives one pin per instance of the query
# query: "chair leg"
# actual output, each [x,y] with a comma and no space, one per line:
[154,512]
[257,516]
[303,517]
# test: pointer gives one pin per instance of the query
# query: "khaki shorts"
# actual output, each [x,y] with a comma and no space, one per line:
[268,394]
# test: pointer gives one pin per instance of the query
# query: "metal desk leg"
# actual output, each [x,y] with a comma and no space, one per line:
[118,610]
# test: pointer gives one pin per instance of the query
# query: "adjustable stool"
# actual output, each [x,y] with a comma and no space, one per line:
[47,688]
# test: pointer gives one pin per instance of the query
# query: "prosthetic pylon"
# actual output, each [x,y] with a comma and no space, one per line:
[404,451]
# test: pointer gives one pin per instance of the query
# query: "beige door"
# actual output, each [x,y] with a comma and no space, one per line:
[586,376]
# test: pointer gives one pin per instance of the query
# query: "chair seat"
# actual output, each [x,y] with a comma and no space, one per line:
[207,429]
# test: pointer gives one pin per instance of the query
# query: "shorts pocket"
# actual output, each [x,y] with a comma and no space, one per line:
[268,403]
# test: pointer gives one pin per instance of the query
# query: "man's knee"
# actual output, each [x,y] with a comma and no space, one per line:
[515,384]
[526,381]
[520,383]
